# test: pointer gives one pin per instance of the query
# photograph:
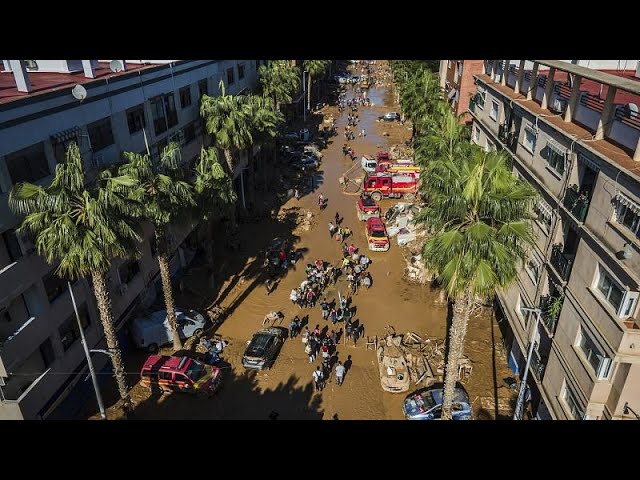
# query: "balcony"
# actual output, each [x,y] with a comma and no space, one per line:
[551,307]
[561,262]
[538,365]
[576,202]
[510,139]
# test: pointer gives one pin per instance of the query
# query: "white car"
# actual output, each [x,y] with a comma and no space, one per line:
[153,331]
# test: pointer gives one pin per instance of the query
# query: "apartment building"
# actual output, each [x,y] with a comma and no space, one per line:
[458,83]
[125,105]
[573,132]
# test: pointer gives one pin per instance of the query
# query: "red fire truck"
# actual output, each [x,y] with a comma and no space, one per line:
[391,185]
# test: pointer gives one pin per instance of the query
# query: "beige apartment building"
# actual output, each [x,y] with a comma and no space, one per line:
[126,105]
[573,132]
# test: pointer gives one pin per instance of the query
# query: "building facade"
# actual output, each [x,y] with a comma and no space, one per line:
[458,83]
[128,105]
[573,132]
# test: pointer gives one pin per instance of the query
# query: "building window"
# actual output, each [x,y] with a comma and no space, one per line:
[60,148]
[622,301]
[189,133]
[54,286]
[555,158]
[522,314]
[601,364]
[230,78]
[28,165]
[495,109]
[163,110]
[490,147]
[529,140]
[203,88]
[571,403]
[476,134]
[479,100]
[46,350]
[135,119]
[544,215]
[128,270]
[627,213]
[69,331]
[100,134]
[12,247]
[240,71]
[533,269]
[185,96]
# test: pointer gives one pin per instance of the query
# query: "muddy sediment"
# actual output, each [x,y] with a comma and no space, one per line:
[287,388]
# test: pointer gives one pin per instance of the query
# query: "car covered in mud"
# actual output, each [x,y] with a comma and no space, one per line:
[390,117]
[394,372]
[180,374]
[262,350]
[377,238]
[426,404]
[366,208]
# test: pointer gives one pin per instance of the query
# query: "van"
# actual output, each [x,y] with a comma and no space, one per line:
[153,331]
[368,163]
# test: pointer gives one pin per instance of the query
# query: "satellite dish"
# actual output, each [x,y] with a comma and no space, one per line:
[631,109]
[116,66]
[79,92]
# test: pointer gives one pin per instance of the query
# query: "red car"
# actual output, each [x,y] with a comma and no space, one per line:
[367,208]
[180,374]
[377,238]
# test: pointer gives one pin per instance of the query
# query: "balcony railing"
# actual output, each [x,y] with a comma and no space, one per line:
[550,308]
[577,203]
[538,365]
[561,262]
[510,139]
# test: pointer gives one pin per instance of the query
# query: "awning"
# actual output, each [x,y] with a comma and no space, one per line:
[65,135]
[588,161]
[630,204]
[556,147]
[545,208]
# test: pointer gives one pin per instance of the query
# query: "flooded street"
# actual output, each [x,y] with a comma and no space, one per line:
[288,388]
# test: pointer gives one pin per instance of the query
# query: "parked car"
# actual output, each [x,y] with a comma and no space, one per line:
[306,163]
[426,404]
[180,374]
[153,331]
[263,348]
[366,208]
[390,117]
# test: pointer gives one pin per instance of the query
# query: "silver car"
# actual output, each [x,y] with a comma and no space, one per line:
[153,331]
[426,404]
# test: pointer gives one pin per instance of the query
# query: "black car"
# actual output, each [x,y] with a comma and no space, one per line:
[263,348]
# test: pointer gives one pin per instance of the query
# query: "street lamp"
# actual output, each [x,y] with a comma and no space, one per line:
[626,409]
[92,371]
[304,98]
[517,414]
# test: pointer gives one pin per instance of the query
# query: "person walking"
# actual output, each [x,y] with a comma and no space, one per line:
[340,373]
[332,229]
[293,327]
[318,377]
[296,193]
[333,316]
[320,201]
[324,306]
[337,218]
[311,348]
[351,249]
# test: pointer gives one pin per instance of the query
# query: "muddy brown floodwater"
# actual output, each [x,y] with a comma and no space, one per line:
[287,388]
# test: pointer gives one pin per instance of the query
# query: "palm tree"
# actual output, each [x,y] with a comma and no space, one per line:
[227,121]
[316,68]
[162,196]
[213,192]
[478,213]
[84,227]
[280,81]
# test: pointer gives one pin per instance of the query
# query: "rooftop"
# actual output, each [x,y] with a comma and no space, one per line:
[605,148]
[45,82]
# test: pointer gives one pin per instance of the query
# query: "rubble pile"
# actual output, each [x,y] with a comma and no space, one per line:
[400,151]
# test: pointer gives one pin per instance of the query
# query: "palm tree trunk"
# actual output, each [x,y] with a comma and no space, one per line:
[169,303]
[229,158]
[309,92]
[457,332]
[101,293]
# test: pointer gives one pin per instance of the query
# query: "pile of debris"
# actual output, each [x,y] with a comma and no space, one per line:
[399,219]
[304,218]
[415,271]
[400,151]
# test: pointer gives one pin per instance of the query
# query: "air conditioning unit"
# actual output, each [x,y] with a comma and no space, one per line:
[559,105]
[122,289]
[98,160]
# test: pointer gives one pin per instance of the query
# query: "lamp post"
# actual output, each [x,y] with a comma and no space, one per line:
[517,414]
[92,371]
[304,98]
[627,409]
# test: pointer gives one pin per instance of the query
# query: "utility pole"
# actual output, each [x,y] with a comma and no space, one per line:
[517,414]
[92,371]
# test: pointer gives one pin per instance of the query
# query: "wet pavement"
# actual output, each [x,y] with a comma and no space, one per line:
[287,388]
